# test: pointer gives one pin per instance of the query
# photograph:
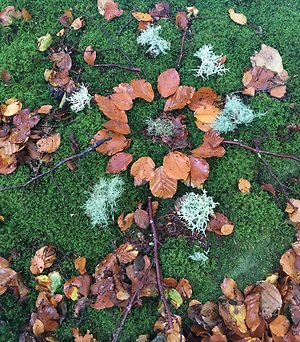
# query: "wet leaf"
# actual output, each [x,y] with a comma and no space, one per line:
[230,289]
[237,17]
[176,165]
[142,170]
[252,302]
[141,218]
[49,144]
[161,185]
[184,288]
[204,96]
[125,223]
[119,162]
[220,224]
[142,89]
[168,82]
[111,10]
[126,253]
[198,174]
[288,264]
[62,60]
[180,98]
[44,42]
[271,300]
[238,313]
[244,185]
[90,55]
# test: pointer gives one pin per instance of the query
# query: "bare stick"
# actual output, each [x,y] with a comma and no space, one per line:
[57,165]
[256,150]
[125,26]
[183,35]
[157,266]
[116,66]
[130,304]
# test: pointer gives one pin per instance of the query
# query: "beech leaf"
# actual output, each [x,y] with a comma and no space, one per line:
[237,17]
[119,162]
[176,165]
[161,185]
[49,144]
[142,170]
[142,89]
[90,55]
[168,82]
[180,98]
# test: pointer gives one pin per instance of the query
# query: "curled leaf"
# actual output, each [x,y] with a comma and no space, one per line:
[89,55]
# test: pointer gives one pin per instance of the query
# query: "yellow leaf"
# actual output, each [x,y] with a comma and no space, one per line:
[13,108]
[238,312]
[244,185]
[238,18]
[139,16]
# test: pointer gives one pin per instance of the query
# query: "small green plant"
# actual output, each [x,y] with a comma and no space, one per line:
[150,36]
[160,127]
[103,201]
[194,209]
[234,113]
[209,63]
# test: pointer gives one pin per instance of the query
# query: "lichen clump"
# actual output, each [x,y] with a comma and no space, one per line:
[195,209]
[160,127]
[103,204]
[235,113]
[79,99]
[210,63]
[150,36]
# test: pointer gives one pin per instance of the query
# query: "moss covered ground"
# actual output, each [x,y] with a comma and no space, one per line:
[51,212]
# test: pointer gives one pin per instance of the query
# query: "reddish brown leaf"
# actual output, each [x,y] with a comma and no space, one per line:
[125,223]
[161,185]
[220,224]
[206,115]
[230,289]
[268,187]
[124,88]
[168,82]
[111,10]
[5,76]
[45,109]
[182,20]
[126,253]
[161,10]
[90,55]
[119,162]
[26,15]
[252,302]
[49,144]
[142,170]
[198,174]
[204,96]
[211,146]
[109,109]
[8,163]
[180,98]
[176,165]
[184,288]
[169,282]
[43,258]
[88,337]
[117,143]
[141,218]
[122,101]
[8,14]
[62,60]
[142,89]
[117,126]
[278,91]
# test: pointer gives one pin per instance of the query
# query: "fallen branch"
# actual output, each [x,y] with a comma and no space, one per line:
[117,66]
[125,26]
[183,35]
[157,266]
[130,304]
[259,151]
[57,165]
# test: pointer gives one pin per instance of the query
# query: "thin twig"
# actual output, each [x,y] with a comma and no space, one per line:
[57,165]
[130,304]
[157,266]
[125,26]
[117,66]
[41,59]
[256,150]
[183,35]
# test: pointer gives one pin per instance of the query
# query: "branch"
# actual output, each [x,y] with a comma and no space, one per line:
[130,304]
[183,35]
[57,165]
[116,66]
[258,151]
[157,266]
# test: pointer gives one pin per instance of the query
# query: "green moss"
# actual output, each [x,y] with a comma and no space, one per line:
[50,211]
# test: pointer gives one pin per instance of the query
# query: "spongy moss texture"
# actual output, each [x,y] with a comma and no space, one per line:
[51,211]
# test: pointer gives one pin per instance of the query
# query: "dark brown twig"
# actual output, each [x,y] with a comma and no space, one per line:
[117,66]
[57,165]
[157,266]
[183,35]
[130,304]
[259,151]
[125,26]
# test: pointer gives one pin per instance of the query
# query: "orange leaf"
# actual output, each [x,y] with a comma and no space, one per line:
[125,223]
[220,224]
[198,174]
[244,185]
[211,146]
[143,25]
[79,264]
[43,258]
[287,262]
[139,16]
[247,77]
[117,126]
[122,100]
[280,326]
[180,98]
[111,10]
[230,289]
[168,82]
[204,96]
[207,114]
[124,88]
[278,91]
[119,162]
[142,89]
[176,165]
[293,209]
[184,288]
[49,144]
[237,17]
[182,20]
[252,302]
[204,127]
[45,109]
[26,15]
[142,170]
[117,143]
[8,164]
[38,328]
[89,55]
[109,109]
[161,185]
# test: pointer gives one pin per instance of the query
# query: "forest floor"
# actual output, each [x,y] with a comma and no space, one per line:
[51,211]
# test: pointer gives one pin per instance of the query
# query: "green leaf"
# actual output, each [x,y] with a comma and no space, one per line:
[56,281]
[44,42]
[174,297]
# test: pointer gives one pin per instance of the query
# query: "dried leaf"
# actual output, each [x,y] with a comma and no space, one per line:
[8,163]
[117,126]
[198,174]
[125,223]
[180,98]
[237,17]
[43,258]
[139,16]
[5,76]
[211,146]
[269,188]
[49,144]
[293,209]
[207,114]
[176,165]
[101,5]
[38,328]
[288,264]
[204,96]
[278,91]
[109,109]
[13,108]
[184,288]
[142,170]
[271,300]
[238,313]
[90,55]
[126,253]
[62,60]
[45,109]
[88,337]
[161,10]
[122,101]
[161,185]
[230,289]
[244,185]
[117,143]
[142,89]
[111,10]
[26,15]
[79,264]
[220,224]
[252,302]
[8,15]
[168,82]
[182,20]
[141,218]
[280,326]
[119,162]
[77,24]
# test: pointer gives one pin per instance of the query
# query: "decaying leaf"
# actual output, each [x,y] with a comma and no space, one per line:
[211,146]
[142,170]
[12,107]
[89,55]
[280,326]
[198,174]
[161,185]
[111,10]
[43,258]
[139,16]
[88,337]
[79,264]
[204,96]
[26,15]
[220,224]
[168,82]
[268,187]
[125,223]
[119,162]
[49,144]
[5,76]
[237,17]
[230,289]
[126,253]
[182,20]
[8,15]
[293,209]
[244,185]
[141,218]
[184,288]
[78,23]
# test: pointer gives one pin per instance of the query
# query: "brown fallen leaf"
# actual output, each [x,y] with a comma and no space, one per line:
[117,126]
[111,10]
[161,185]
[26,15]
[142,170]
[119,162]
[122,101]
[125,223]
[244,185]
[220,224]
[126,253]
[43,258]
[141,218]
[278,91]
[101,5]
[8,163]
[177,165]
[116,144]
[182,20]
[184,288]
[139,16]
[237,17]
[107,106]
[8,15]
[45,109]
[142,89]
[5,76]
[280,326]
[198,174]
[79,264]
[204,96]
[88,337]
[268,187]
[211,146]
[252,302]
[168,82]
[90,55]
[207,114]
[293,209]
[12,107]
[180,98]
[49,144]
[77,24]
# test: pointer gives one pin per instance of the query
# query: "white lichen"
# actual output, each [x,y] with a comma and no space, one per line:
[103,202]
[79,99]
[209,63]
[200,257]
[195,209]
[235,113]
[159,127]
[150,36]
